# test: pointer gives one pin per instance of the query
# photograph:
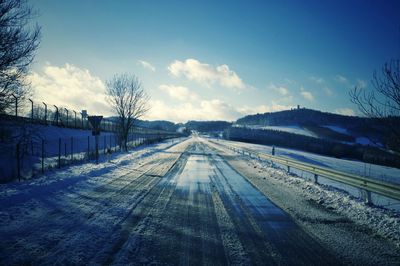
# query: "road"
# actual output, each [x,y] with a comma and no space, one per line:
[185,206]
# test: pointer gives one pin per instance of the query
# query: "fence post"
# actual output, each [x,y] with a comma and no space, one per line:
[56,115]
[18,162]
[105,144]
[59,152]
[45,113]
[42,156]
[16,104]
[110,142]
[75,118]
[88,147]
[65,149]
[315,178]
[72,149]
[67,117]
[366,196]
[31,109]
[96,139]
[288,169]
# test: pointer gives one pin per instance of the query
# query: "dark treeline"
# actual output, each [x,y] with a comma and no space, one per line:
[158,125]
[208,126]
[315,145]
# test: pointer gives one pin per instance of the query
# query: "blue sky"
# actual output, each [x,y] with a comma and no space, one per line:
[205,60]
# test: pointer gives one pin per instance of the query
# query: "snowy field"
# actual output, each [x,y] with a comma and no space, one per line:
[384,173]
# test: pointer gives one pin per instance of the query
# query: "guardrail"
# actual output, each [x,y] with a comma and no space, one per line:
[367,185]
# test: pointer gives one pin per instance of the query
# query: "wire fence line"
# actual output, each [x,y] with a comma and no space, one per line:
[39,148]
[49,114]
[28,161]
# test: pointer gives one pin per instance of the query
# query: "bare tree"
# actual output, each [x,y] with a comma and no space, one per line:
[129,101]
[18,43]
[383,100]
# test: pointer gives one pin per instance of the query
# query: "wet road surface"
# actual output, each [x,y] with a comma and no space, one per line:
[213,215]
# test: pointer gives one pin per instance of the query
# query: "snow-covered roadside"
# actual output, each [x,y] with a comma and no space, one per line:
[392,174]
[68,216]
[355,231]
[90,172]
[385,173]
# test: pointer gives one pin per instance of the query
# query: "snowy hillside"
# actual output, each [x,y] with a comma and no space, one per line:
[316,132]
[340,128]
[290,129]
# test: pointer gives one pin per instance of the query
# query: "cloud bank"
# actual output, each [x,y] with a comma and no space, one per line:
[70,87]
[206,74]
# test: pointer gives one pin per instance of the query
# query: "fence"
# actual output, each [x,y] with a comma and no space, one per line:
[26,160]
[367,185]
[34,155]
[49,114]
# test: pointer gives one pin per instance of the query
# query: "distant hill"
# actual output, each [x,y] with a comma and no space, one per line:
[313,123]
[301,116]
[158,124]
[208,126]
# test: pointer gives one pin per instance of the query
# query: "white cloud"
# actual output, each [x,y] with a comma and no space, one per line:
[179,92]
[218,110]
[341,79]
[205,74]
[214,109]
[274,107]
[306,94]
[345,111]
[204,110]
[318,80]
[70,87]
[280,89]
[147,65]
